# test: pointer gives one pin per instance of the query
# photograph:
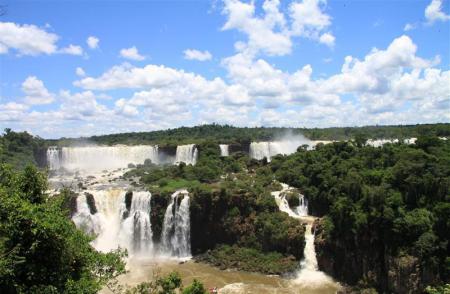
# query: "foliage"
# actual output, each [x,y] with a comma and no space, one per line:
[41,250]
[249,259]
[22,149]
[380,203]
[227,134]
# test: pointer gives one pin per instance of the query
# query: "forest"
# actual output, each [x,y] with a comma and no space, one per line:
[383,215]
[230,134]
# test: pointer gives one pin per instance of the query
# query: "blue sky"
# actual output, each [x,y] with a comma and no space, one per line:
[160,64]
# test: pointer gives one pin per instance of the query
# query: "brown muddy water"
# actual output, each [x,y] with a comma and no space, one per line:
[227,281]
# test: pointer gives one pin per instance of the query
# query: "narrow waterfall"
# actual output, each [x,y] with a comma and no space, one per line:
[97,158]
[224,150]
[114,224]
[53,158]
[137,225]
[176,233]
[187,154]
[302,209]
[309,275]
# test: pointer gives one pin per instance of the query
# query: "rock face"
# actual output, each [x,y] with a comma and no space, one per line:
[366,267]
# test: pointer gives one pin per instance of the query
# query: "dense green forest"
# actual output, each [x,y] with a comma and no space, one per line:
[20,149]
[229,134]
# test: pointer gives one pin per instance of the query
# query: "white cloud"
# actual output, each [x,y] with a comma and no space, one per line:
[92,42]
[193,54]
[267,34]
[80,72]
[308,18]
[327,39]
[31,40]
[27,39]
[72,50]
[433,12]
[35,92]
[272,32]
[410,27]
[131,53]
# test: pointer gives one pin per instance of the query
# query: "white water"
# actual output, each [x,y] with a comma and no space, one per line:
[53,158]
[381,142]
[176,233]
[112,229]
[187,154]
[224,150]
[259,150]
[97,158]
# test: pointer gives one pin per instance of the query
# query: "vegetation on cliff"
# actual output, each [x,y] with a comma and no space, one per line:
[386,210]
[230,205]
[20,149]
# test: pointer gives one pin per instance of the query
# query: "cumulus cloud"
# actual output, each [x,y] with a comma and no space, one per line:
[31,40]
[433,12]
[193,54]
[272,32]
[36,92]
[92,42]
[131,53]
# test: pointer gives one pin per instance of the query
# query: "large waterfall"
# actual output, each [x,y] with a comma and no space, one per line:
[117,219]
[97,158]
[176,234]
[224,151]
[187,154]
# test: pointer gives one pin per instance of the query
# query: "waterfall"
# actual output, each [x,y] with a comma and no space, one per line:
[302,209]
[53,158]
[259,150]
[137,226]
[309,274]
[283,205]
[115,225]
[187,154]
[224,150]
[176,233]
[97,158]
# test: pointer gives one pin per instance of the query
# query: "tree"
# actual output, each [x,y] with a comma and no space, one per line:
[41,250]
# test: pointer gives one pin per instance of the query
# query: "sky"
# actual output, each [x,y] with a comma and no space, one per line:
[81,68]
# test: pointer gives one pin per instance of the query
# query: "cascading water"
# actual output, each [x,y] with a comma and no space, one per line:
[176,233]
[112,223]
[302,209]
[53,158]
[187,154]
[259,150]
[224,150]
[309,275]
[97,158]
